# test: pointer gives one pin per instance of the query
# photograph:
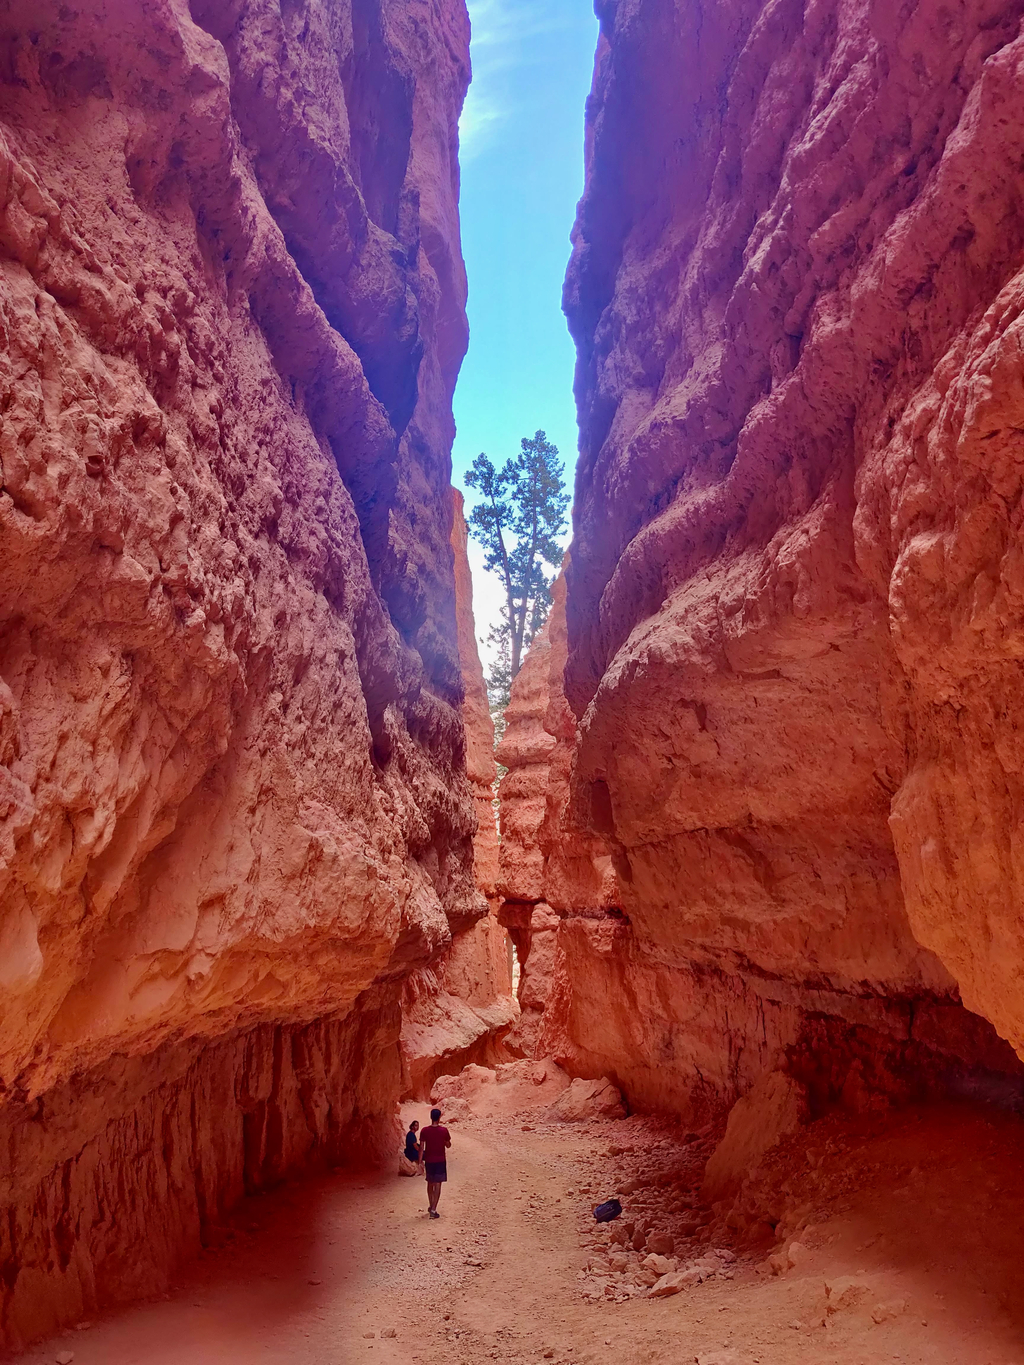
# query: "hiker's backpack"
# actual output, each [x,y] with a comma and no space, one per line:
[611,1208]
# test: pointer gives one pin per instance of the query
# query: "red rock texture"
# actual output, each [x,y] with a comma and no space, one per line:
[109,1177]
[481,768]
[793,596]
[232,791]
[459,1011]
[546,871]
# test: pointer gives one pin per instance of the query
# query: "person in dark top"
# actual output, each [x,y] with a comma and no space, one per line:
[434,1143]
[412,1147]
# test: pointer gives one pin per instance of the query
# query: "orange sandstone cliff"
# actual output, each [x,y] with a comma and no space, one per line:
[233,806]
[794,601]
[546,876]
[461,1009]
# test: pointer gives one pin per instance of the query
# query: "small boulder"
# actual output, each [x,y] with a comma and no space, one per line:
[661,1264]
[885,1312]
[589,1100]
[469,1080]
[774,1108]
[673,1283]
[661,1243]
[759,1232]
[844,1292]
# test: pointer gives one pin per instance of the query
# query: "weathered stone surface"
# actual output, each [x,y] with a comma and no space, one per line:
[111,1176]
[547,870]
[232,790]
[589,1100]
[772,1110]
[481,768]
[460,1010]
[525,750]
[534,931]
[792,607]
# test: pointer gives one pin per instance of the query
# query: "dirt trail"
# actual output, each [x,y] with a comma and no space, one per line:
[314,1269]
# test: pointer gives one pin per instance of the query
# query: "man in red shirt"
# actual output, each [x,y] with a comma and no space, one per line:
[434,1142]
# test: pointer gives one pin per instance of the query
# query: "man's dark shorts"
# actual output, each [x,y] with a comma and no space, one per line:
[437,1172]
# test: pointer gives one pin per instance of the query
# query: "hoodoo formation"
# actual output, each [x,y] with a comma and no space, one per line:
[233,803]
[780,826]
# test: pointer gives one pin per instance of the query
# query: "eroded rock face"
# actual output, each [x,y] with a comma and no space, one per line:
[481,768]
[548,871]
[792,603]
[458,1011]
[232,795]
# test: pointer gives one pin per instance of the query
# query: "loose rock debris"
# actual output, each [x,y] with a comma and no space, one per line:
[893,1237]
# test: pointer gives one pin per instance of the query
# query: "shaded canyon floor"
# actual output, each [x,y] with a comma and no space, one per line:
[914,1220]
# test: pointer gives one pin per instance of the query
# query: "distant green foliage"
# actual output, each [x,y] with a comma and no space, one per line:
[499,680]
[518,521]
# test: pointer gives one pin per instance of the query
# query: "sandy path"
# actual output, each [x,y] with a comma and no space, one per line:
[318,1267]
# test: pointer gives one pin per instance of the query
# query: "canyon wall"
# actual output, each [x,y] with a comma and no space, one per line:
[461,1009]
[233,807]
[545,877]
[794,604]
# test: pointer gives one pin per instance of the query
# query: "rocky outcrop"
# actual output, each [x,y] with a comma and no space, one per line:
[547,871]
[793,599]
[459,1011]
[481,768]
[233,810]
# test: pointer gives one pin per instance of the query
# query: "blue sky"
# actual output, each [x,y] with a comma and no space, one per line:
[522,173]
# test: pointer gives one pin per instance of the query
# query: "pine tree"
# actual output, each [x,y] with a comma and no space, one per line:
[518,521]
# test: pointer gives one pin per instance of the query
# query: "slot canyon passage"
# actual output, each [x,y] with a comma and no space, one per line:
[760,850]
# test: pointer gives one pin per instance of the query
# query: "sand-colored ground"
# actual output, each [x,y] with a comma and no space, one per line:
[915,1220]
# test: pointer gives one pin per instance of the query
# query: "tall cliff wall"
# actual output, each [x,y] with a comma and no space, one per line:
[794,600]
[233,809]
[460,1009]
[548,874]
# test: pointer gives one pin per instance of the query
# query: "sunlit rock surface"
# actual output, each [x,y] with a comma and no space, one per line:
[233,809]
[547,870]
[794,596]
[459,1010]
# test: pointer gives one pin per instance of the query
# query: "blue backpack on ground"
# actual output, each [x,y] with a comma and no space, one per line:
[611,1208]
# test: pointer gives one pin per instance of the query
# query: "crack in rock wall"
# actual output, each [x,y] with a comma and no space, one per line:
[234,814]
[793,607]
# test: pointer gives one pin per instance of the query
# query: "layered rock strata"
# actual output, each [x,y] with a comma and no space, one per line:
[233,810]
[794,598]
[459,1010]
